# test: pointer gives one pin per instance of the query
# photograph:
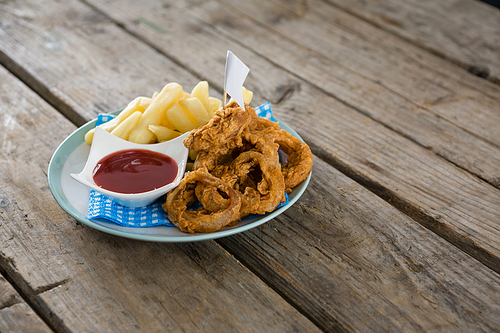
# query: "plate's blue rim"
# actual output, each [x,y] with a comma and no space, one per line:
[76,138]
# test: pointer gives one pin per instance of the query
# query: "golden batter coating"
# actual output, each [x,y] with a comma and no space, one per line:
[237,171]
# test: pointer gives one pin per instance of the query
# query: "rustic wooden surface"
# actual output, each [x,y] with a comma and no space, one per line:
[464,32]
[397,92]
[388,161]
[15,314]
[76,277]
[398,230]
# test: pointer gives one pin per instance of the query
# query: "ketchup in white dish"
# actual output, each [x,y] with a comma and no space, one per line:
[134,171]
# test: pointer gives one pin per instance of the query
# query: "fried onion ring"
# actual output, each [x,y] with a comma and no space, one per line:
[260,195]
[260,123]
[237,170]
[200,220]
[300,158]
[251,140]
[224,129]
[210,197]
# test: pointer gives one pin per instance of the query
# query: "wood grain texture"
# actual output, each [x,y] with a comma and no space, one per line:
[21,318]
[366,55]
[84,280]
[466,32]
[454,125]
[342,252]
[8,295]
[42,44]
[342,256]
[373,51]
[399,171]
[446,199]
[15,314]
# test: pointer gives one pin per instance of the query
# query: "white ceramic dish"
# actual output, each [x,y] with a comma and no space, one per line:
[73,197]
[105,143]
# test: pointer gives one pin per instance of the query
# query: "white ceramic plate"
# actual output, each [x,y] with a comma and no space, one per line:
[73,197]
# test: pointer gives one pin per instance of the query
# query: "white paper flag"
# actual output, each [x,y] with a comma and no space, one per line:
[235,74]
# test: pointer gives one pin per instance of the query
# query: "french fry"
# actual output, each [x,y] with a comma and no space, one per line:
[215,104]
[179,119]
[200,91]
[146,120]
[247,96]
[203,121]
[144,104]
[163,133]
[194,109]
[165,122]
[192,154]
[123,130]
[136,105]
[89,136]
[170,94]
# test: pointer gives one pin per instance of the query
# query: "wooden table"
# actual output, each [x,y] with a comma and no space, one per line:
[398,230]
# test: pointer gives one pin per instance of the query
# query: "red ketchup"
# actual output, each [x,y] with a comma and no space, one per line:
[134,171]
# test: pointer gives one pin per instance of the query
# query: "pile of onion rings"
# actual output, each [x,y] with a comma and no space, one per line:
[237,171]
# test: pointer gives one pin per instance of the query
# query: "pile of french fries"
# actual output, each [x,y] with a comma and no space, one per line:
[165,115]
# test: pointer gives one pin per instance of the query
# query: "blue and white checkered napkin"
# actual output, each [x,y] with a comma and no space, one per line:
[101,206]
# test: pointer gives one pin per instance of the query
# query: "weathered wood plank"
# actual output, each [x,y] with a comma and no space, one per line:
[438,131]
[313,284]
[21,318]
[346,44]
[15,314]
[47,54]
[8,295]
[344,253]
[424,123]
[464,31]
[343,256]
[376,54]
[84,280]
[416,194]
[451,202]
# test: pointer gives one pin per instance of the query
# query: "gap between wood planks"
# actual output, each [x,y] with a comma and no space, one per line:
[475,69]
[288,93]
[392,198]
[317,315]
[40,89]
[416,213]
[200,77]
[35,302]
[31,296]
